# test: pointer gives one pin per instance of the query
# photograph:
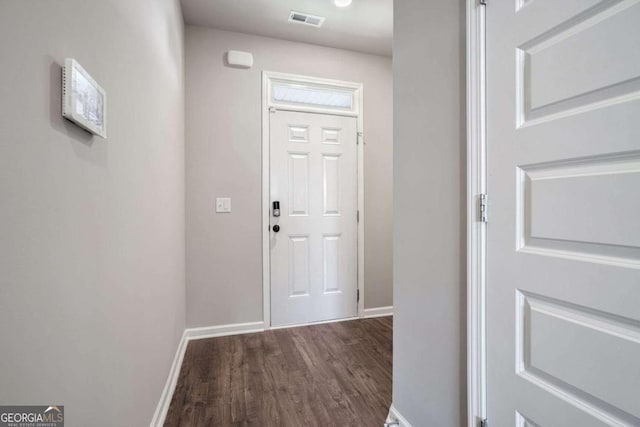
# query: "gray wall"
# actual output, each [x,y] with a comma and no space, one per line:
[223,128]
[92,292]
[429,189]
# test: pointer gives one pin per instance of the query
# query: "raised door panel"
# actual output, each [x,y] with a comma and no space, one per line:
[330,263]
[331,184]
[299,273]
[298,184]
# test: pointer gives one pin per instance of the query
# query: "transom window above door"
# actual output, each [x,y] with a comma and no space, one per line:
[322,97]
[289,92]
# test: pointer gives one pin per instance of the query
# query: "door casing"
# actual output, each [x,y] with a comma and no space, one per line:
[476,230]
[356,89]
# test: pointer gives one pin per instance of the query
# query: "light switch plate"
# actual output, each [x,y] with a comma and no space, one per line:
[223,204]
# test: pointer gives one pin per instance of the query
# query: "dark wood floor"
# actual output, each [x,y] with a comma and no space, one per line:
[335,374]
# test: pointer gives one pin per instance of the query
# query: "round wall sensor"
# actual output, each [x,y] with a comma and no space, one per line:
[342,3]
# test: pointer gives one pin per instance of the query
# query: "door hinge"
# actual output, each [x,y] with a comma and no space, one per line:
[483,3]
[272,109]
[358,136]
[482,207]
[484,423]
[357,295]
[358,216]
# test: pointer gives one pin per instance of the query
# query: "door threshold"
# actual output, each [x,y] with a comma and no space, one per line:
[320,322]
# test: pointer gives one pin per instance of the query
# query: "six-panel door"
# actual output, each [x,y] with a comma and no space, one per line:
[313,162]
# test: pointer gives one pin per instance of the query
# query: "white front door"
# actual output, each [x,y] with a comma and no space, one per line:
[563,232]
[313,162]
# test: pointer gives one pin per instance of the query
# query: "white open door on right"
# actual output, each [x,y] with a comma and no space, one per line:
[563,233]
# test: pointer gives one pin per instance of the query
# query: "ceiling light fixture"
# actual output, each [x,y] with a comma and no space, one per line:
[342,3]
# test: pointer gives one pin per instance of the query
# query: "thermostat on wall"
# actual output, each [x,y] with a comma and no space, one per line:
[84,102]
[236,58]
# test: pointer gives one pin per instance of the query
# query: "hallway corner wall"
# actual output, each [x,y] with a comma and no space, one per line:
[92,283]
[429,337]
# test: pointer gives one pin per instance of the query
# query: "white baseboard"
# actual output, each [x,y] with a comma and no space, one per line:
[224,330]
[170,385]
[378,312]
[190,334]
[394,415]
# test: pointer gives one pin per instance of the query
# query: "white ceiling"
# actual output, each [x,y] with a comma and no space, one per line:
[365,25]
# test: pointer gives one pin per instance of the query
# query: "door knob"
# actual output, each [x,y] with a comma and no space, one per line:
[276,228]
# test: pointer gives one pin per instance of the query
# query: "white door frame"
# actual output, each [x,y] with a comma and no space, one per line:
[356,89]
[476,230]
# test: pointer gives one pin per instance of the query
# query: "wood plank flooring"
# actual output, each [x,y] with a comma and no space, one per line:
[335,374]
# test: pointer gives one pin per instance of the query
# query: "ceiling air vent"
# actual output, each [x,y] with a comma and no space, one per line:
[306,19]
